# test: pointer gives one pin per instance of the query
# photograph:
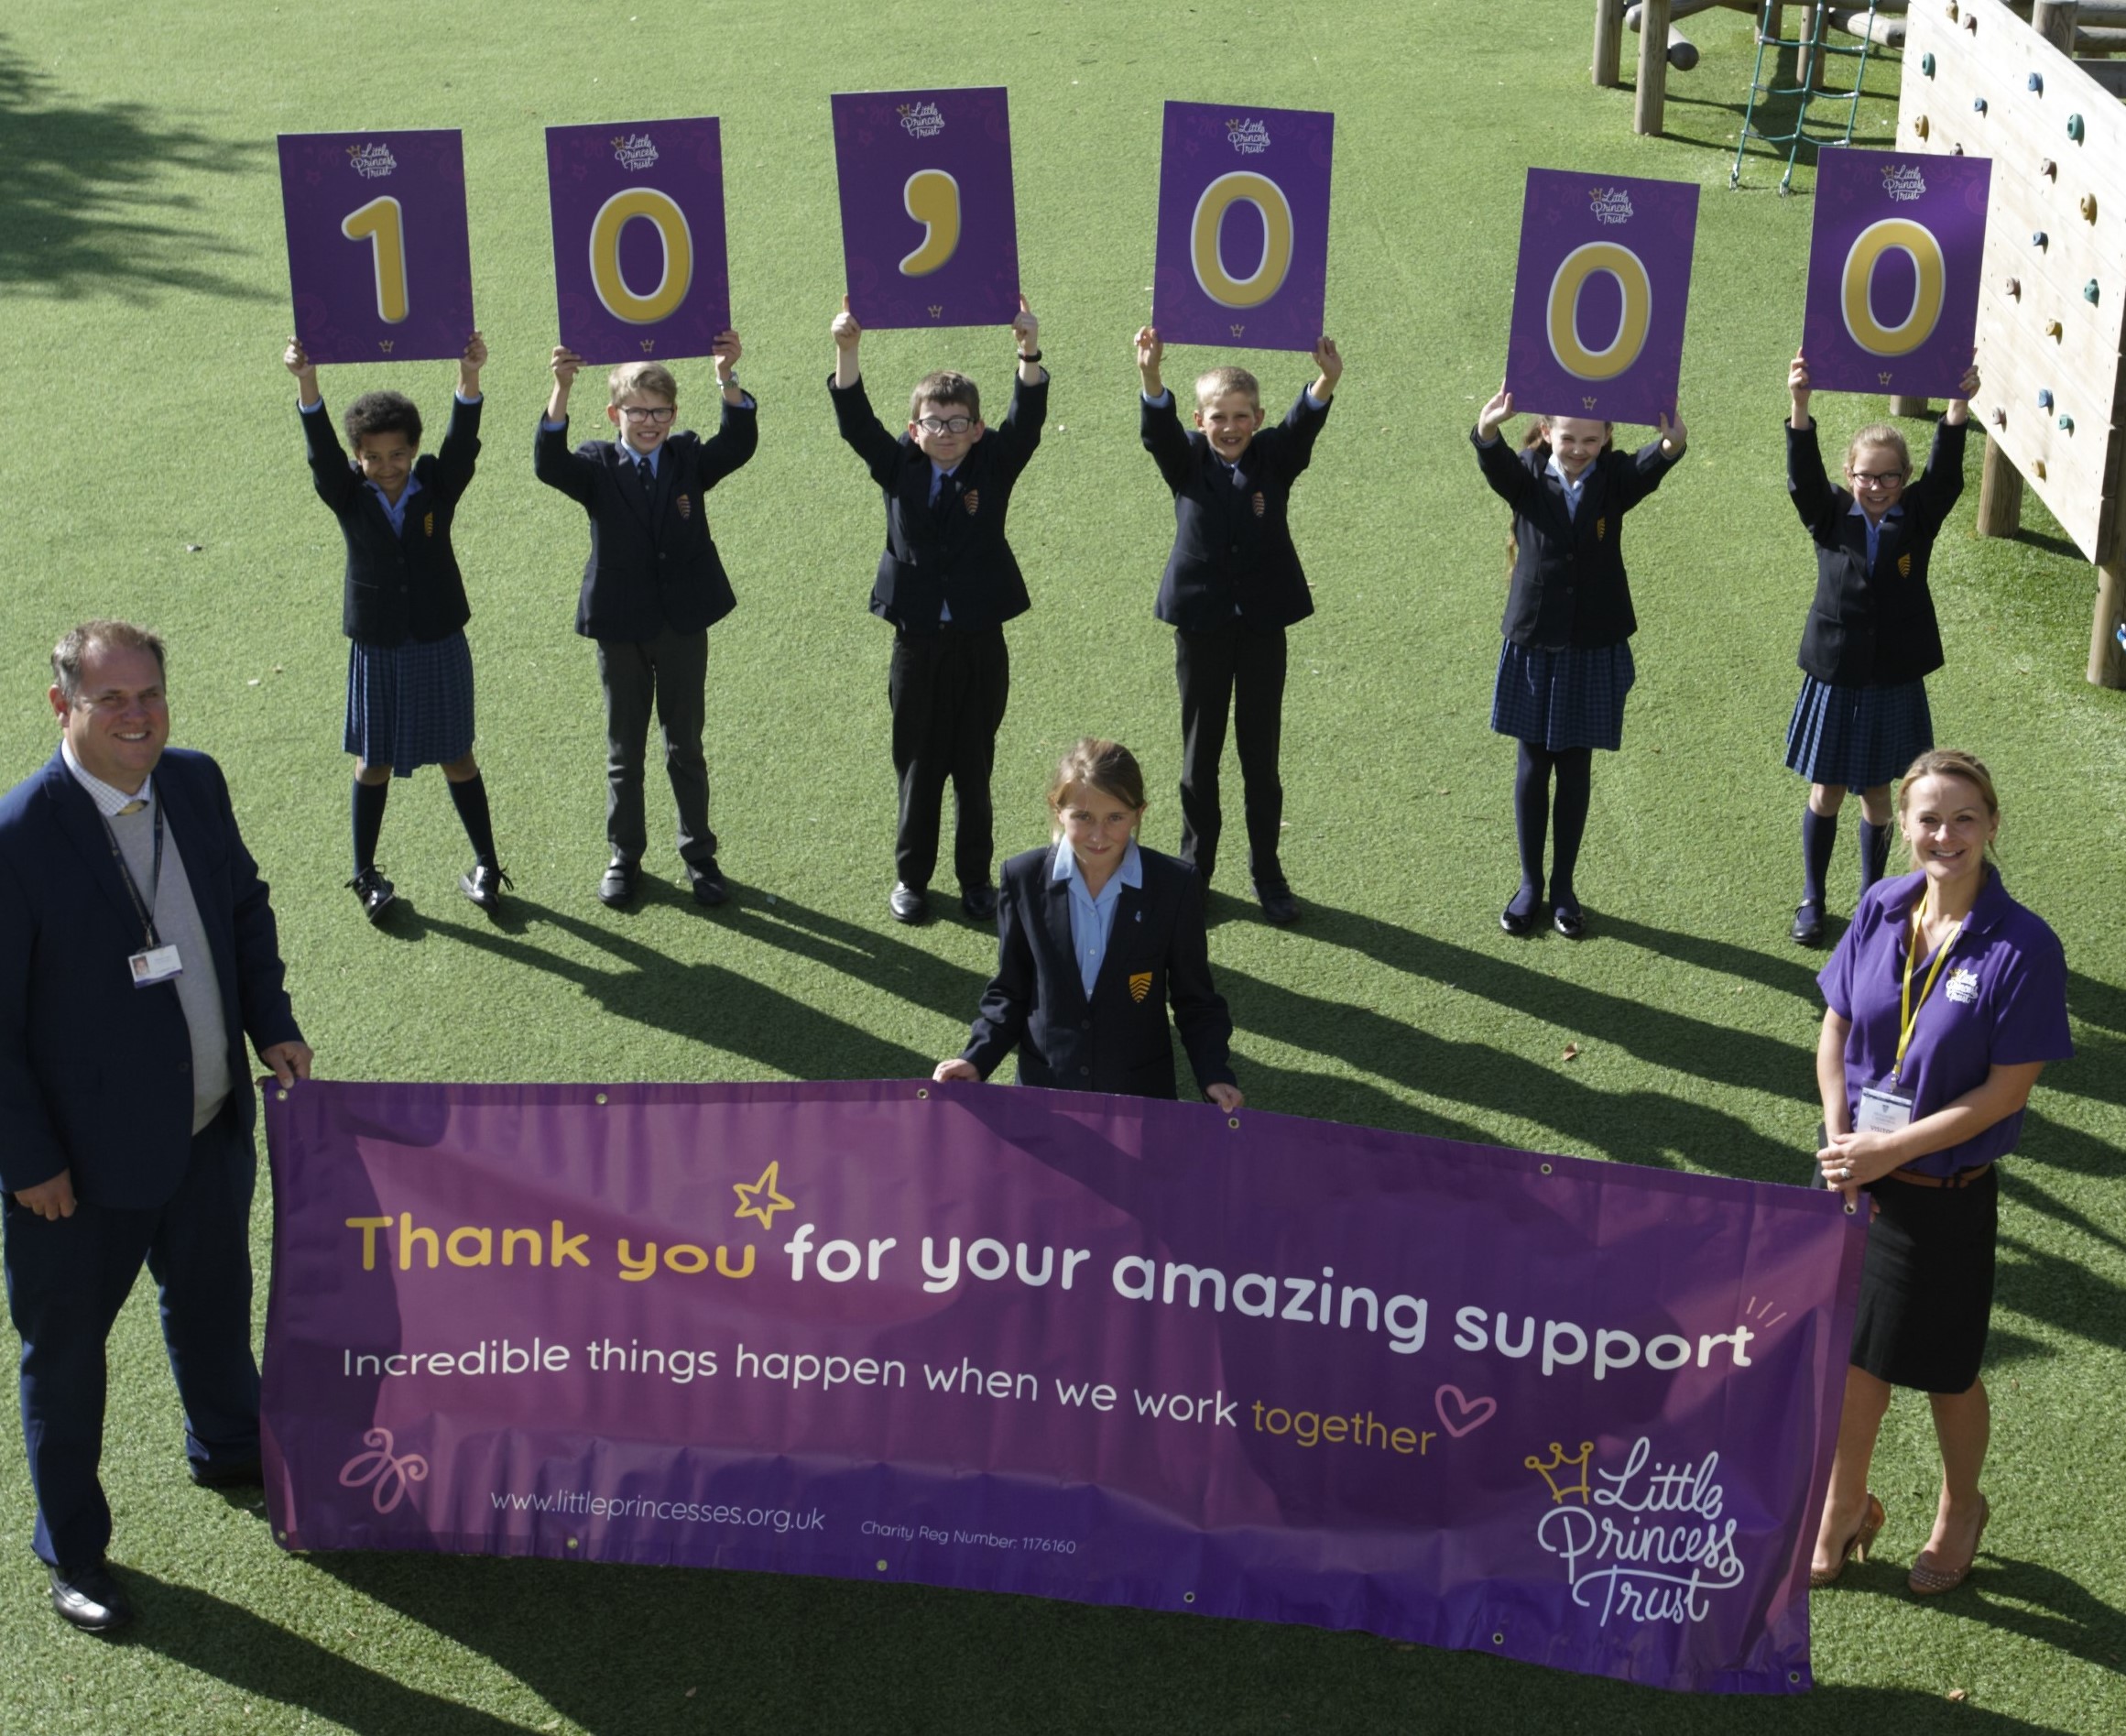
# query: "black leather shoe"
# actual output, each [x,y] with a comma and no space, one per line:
[979,902]
[377,893]
[1808,926]
[908,903]
[1516,922]
[1278,904]
[617,885]
[1569,919]
[709,887]
[235,1473]
[483,883]
[90,1598]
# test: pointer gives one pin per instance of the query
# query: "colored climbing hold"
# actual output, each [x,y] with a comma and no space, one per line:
[2074,128]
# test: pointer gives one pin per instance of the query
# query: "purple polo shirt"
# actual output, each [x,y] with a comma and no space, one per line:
[2001,1000]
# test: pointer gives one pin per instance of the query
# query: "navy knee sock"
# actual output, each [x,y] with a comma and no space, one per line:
[1819,838]
[1531,822]
[470,798]
[1874,853]
[1568,821]
[368,822]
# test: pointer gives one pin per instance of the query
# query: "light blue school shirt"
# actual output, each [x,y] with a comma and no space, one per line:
[1093,919]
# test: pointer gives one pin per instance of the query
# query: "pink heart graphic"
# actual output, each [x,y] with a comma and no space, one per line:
[1474,1413]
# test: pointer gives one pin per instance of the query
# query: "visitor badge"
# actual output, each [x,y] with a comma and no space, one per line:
[154,964]
[1881,1111]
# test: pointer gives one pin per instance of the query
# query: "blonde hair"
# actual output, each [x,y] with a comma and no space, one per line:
[1221,380]
[650,379]
[1883,434]
[1106,766]
[1947,762]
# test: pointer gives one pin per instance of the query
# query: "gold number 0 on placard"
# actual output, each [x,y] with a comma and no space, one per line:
[1562,317]
[932,198]
[1241,186]
[662,212]
[1929,273]
[382,224]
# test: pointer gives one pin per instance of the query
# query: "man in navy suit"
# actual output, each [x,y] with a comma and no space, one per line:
[137,950]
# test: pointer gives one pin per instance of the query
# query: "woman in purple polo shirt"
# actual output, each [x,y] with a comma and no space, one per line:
[1947,998]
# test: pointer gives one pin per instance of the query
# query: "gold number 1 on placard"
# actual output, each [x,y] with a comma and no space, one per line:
[381,224]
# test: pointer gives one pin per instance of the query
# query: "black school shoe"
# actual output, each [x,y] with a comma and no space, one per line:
[617,885]
[709,887]
[1278,904]
[908,903]
[979,902]
[1808,926]
[483,883]
[377,893]
[90,1598]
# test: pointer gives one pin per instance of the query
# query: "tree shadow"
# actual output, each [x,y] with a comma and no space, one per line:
[88,202]
[1788,975]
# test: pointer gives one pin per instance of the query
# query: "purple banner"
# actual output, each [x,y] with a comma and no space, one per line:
[1599,295]
[639,267]
[930,233]
[1893,262]
[1243,249]
[378,257]
[1080,1347]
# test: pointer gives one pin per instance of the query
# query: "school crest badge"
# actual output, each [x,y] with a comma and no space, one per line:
[1904,565]
[428,524]
[972,500]
[1261,506]
[685,506]
[1601,528]
[1139,985]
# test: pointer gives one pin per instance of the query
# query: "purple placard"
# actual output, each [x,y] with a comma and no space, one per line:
[640,265]
[1082,1346]
[930,233]
[378,257]
[1243,249]
[1599,295]
[1893,262]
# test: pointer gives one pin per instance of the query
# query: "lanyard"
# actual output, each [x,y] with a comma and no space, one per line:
[146,910]
[1907,1012]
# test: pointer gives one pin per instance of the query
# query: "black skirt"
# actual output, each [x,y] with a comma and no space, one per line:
[1926,1285]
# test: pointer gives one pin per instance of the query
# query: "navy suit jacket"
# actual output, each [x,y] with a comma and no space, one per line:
[1568,586]
[653,566]
[1117,1041]
[95,1073]
[1876,626]
[400,585]
[957,558]
[1232,546]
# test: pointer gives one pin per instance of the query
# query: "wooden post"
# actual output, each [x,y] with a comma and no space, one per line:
[1608,42]
[1908,405]
[2000,494]
[1652,96]
[1808,62]
[2055,20]
[2107,657]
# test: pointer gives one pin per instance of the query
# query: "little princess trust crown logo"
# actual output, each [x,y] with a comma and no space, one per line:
[921,119]
[1250,138]
[372,162]
[1903,182]
[1609,205]
[634,150]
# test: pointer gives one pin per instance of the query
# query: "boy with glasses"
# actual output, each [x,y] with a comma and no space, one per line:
[652,588]
[947,581]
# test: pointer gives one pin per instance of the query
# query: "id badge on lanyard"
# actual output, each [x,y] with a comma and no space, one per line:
[1887,1107]
[1882,1109]
[154,963]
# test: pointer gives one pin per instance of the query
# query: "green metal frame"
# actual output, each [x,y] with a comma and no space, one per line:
[1811,50]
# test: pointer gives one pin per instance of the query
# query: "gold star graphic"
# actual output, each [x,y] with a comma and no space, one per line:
[750,1204]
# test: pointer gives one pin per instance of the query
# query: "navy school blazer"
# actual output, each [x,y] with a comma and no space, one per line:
[1568,586]
[1873,628]
[956,559]
[1116,1042]
[400,585]
[95,1073]
[653,567]
[1232,545]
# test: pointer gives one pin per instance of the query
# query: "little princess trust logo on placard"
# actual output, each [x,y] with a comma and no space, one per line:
[1645,1544]
[372,162]
[1903,182]
[1250,138]
[634,150]
[1609,205]
[921,119]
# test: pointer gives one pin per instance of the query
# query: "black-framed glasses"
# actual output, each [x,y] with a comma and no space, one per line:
[1878,479]
[658,413]
[945,424]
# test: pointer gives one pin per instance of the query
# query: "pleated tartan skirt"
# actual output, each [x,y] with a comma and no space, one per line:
[1571,698]
[411,705]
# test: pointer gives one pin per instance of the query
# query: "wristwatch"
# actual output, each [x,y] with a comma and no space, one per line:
[1035,358]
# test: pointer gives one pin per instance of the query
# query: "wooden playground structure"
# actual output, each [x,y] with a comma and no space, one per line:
[2025,87]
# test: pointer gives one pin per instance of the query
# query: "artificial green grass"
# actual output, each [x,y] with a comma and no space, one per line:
[143,279]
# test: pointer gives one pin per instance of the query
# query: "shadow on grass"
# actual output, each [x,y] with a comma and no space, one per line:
[703,1002]
[86,201]
[257,1657]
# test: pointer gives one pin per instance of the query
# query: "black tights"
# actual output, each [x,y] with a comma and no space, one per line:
[1565,819]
